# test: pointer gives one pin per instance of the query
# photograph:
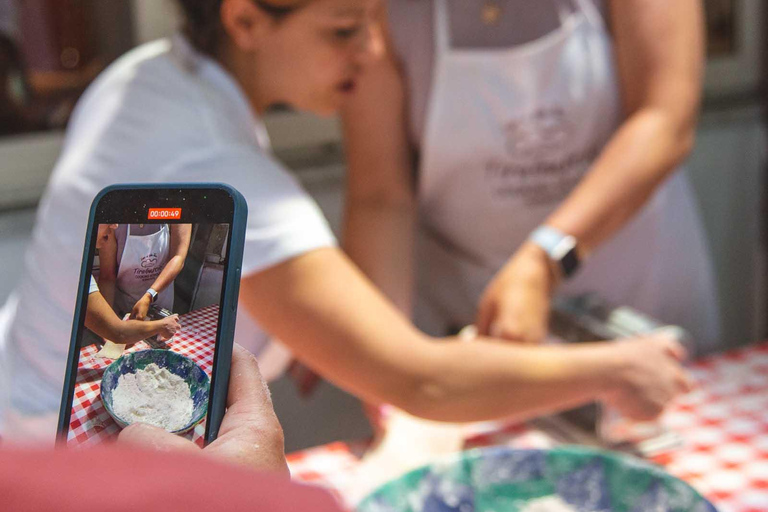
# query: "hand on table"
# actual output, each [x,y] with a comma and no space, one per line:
[250,433]
[649,375]
[139,311]
[515,305]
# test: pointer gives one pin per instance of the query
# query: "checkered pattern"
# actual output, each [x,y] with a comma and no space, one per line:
[331,466]
[723,423]
[90,423]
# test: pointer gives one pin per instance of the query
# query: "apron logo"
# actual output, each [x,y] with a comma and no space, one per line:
[149,261]
[538,134]
[540,166]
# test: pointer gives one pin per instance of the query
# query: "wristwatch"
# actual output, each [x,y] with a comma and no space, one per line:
[561,249]
[152,293]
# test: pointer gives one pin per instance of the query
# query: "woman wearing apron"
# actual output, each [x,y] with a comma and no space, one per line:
[546,142]
[150,258]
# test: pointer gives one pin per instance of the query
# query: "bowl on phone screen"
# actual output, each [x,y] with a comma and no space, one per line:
[177,364]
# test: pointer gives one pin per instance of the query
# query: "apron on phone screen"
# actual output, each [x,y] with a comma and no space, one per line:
[142,260]
[509,133]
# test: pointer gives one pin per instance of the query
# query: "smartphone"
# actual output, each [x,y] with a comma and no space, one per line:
[155,314]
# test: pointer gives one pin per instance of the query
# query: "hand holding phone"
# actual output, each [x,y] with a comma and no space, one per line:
[170,254]
[250,433]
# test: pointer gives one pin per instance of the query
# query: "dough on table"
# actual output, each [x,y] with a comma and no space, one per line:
[111,350]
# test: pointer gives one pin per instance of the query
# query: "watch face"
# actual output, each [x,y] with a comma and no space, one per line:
[569,262]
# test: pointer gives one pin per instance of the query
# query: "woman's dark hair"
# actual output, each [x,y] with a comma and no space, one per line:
[202,21]
[202,24]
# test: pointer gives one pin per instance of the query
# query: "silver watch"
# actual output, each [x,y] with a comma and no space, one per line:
[560,247]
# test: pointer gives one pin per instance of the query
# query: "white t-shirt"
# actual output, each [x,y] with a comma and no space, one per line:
[162,113]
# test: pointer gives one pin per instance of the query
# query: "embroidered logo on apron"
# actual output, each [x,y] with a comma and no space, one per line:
[148,269]
[537,166]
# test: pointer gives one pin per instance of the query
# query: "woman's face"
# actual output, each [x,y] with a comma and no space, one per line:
[310,58]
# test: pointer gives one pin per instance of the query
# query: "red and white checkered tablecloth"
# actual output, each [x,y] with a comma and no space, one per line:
[90,423]
[723,423]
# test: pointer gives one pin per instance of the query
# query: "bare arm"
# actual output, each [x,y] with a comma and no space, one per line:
[379,217]
[660,48]
[101,319]
[335,321]
[108,267]
[660,52]
[181,235]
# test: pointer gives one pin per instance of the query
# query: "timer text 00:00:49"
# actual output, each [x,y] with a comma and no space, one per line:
[164,213]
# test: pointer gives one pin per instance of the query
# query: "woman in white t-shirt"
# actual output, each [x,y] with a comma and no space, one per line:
[188,109]
[546,133]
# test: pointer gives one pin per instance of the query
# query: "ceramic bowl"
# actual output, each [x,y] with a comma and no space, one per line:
[175,363]
[501,479]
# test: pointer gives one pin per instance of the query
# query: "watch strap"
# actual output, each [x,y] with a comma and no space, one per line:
[560,247]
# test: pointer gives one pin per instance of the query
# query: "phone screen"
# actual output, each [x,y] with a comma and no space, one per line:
[150,309]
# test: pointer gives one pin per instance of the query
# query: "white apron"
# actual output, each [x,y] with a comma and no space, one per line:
[143,259]
[509,134]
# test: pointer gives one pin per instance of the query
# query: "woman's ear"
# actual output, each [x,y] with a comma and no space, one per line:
[243,23]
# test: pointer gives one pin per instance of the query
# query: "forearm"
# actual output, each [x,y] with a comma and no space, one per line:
[378,237]
[168,274]
[104,322]
[380,200]
[659,49]
[487,380]
[132,331]
[107,289]
[341,326]
[640,156]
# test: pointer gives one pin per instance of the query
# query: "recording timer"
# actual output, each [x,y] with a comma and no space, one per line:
[164,214]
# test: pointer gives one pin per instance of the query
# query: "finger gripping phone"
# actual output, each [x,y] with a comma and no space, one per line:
[155,314]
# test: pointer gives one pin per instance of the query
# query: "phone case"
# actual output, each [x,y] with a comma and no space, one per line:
[228,306]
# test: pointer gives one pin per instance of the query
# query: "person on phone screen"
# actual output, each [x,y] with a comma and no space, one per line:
[139,264]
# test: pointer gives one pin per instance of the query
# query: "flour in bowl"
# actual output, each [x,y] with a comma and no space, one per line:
[154,396]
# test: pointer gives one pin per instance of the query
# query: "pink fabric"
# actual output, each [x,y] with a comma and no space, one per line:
[120,479]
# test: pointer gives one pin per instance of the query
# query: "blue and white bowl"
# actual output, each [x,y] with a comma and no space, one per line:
[501,479]
[180,365]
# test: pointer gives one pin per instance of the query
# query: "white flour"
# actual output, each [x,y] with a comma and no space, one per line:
[154,396]
[548,504]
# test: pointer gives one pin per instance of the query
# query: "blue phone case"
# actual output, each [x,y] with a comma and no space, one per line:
[227,310]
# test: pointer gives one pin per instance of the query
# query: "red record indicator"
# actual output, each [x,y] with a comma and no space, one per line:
[164,214]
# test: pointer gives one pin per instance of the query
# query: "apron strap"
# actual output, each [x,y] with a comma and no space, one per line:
[125,243]
[441,27]
[591,13]
[565,11]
